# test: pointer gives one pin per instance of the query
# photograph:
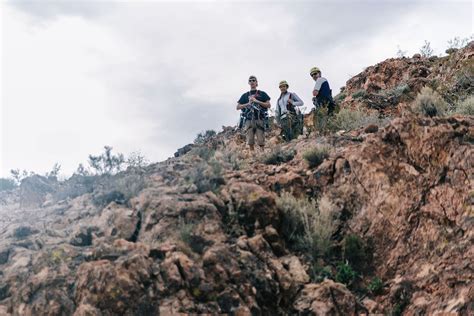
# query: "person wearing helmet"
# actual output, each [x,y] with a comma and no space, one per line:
[287,113]
[254,105]
[322,94]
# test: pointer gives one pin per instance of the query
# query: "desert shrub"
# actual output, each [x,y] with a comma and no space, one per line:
[359,94]
[137,160]
[347,119]
[320,119]
[345,274]
[185,230]
[206,176]
[118,188]
[465,107]
[429,103]
[205,136]
[355,252]
[204,152]
[107,163]
[315,156]
[75,186]
[306,226]
[426,50]
[230,158]
[341,96]
[398,91]
[7,184]
[375,286]
[278,156]
[318,273]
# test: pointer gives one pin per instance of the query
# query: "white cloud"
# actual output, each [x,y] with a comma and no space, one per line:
[150,75]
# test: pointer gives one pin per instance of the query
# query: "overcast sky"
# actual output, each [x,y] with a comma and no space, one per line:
[149,75]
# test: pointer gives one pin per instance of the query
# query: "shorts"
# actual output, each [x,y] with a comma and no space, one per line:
[255,128]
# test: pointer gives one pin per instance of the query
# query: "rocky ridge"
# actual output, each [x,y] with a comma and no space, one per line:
[203,233]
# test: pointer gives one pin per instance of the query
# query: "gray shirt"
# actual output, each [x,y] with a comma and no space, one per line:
[283,101]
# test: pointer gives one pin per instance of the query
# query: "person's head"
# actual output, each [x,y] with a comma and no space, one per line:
[315,73]
[283,85]
[253,82]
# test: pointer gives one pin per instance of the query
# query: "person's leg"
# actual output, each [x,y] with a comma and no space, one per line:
[260,133]
[250,130]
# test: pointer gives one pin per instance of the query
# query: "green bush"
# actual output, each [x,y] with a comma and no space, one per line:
[359,94]
[345,274]
[315,156]
[465,107]
[204,152]
[398,91]
[306,226]
[185,230]
[204,137]
[375,286]
[341,96]
[429,103]
[278,156]
[347,119]
[355,253]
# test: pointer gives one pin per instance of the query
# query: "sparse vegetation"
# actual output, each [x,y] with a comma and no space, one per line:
[359,94]
[345,274]
[206,176]
[341,96]
[426,50]
[205,136]
[429,103]
[278,156]
[107,163]
[118,188]
[315,156]
[306,226]
[465,107]
[347,119]
[355,252]
[185,231]
[398,91]
[458,43]
[137,160]
[375,286]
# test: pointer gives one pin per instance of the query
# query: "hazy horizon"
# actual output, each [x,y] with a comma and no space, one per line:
[148,76]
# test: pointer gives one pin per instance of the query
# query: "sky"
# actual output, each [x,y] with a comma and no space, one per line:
[149,75]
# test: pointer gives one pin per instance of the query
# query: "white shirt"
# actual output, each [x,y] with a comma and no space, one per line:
[319,82]
[283,101]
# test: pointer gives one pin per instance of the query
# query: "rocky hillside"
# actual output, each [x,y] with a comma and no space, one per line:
[378,219]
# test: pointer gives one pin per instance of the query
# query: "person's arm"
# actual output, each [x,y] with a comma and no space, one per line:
[315,93]
[241,106]
[265,104]
[296,101]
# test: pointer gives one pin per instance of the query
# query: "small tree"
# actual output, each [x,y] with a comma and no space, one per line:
[18,175]
[53,174]
[458,42]
[137,159]
[203,137]
[82,171]
[107,163]
[426,50]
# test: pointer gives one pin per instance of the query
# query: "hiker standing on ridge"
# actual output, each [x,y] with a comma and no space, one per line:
[254,105]
[287,113]
[322,94]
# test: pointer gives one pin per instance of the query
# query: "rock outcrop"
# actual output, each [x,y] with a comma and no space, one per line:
[204,232]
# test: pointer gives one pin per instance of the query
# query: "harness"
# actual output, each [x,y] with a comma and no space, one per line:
[254,112]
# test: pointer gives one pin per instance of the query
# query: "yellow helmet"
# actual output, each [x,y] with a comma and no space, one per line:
[283,83]
[314,70]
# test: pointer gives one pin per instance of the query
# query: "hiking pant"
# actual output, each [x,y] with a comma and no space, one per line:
[290,126]
[255,128]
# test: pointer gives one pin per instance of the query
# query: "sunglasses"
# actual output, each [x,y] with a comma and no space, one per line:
[314,73]
[252,80]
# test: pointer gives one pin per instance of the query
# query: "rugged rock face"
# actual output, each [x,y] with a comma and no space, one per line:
[391,85]
[202,233]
